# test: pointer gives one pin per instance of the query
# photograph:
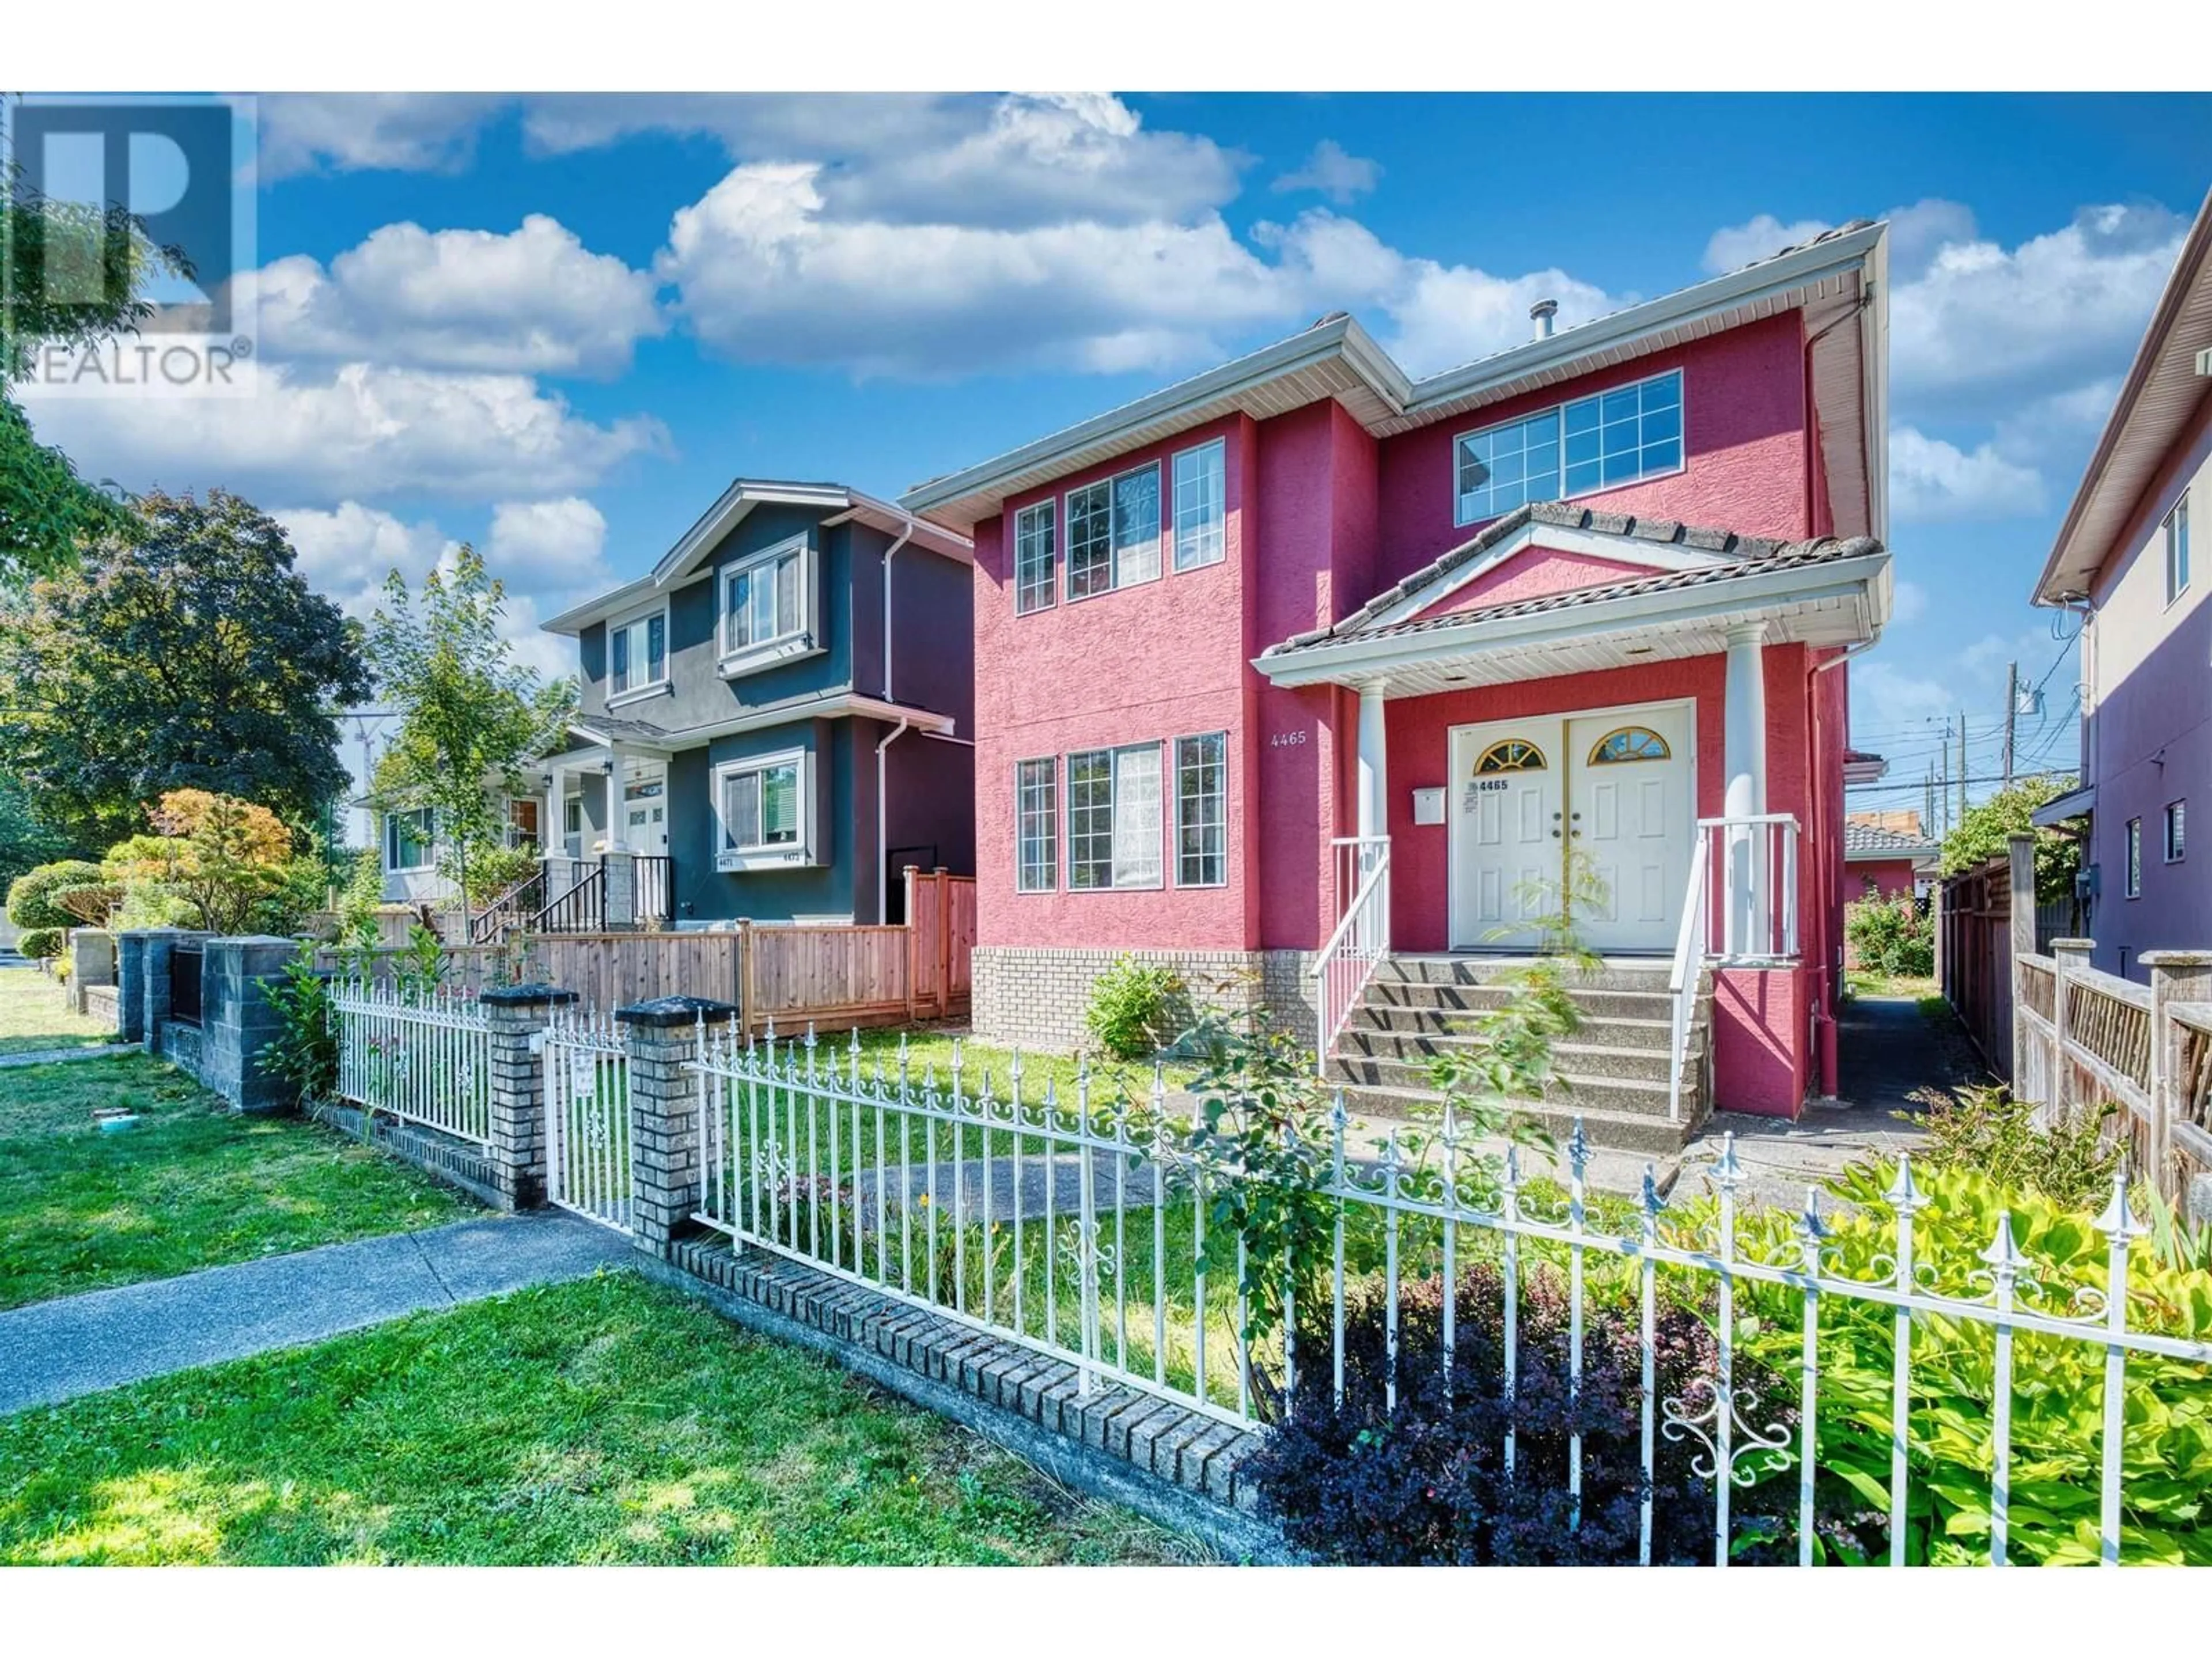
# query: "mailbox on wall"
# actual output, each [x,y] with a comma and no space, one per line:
[1429,806]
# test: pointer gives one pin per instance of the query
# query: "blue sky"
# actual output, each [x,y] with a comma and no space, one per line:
[556,326]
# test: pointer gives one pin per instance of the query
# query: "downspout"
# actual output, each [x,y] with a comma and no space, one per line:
[1825,1030]
[883,809]
[883,824]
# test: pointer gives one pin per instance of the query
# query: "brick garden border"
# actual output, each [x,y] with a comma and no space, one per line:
[1167,1462]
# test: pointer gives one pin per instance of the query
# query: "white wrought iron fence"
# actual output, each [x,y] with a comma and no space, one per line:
[421,1056]
[1076,1228]
[588,1117]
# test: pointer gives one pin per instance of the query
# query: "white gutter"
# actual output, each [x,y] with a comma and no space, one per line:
[882,822]
[904,536]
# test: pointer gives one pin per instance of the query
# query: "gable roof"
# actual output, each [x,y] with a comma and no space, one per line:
[1834,275]
[842,503]
[1874,840]
[1727,555]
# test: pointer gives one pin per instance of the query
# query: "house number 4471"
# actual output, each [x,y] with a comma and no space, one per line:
[1286,739]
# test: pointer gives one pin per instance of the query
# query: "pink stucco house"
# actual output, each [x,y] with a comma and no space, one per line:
[1303,676]
[2122,565]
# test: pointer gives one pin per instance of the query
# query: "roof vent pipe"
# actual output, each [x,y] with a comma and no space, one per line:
[1542,314]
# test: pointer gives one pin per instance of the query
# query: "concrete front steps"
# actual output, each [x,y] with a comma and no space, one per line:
[1613,1073]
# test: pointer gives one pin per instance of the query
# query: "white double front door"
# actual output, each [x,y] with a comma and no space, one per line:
[1616,786]
[645,807]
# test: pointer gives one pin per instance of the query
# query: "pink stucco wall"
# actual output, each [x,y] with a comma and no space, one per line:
[1890,876]
[1744,416]
[1533,573]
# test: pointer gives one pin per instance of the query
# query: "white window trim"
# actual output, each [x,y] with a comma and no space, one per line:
[583,824]
[2166,823]
[799,642]
[2173,595]
[1050,504]
[1021,865]
[1164,749]
[1175,813]
[1172,533]
[1559,411]
[661,687]
[1064,549]
[429,840]
[737,860]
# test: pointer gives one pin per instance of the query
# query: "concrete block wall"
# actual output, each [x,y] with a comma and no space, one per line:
[1038,997]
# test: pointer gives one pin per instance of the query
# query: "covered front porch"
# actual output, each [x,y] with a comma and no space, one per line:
[1647,767]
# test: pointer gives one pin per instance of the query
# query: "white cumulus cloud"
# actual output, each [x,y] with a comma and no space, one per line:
[1334,171]
[357,131]
[553,546]
[534,301]
[1931,480]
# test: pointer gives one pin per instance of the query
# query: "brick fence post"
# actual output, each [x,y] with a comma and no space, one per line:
[660,1036]
[519,1015]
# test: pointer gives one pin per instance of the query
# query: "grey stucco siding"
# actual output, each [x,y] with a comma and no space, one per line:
[822,889]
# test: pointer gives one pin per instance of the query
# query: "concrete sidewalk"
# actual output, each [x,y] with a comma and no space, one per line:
[62,1056]
[55,1351]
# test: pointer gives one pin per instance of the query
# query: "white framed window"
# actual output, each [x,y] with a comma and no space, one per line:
[2176,812]
[408,842]
[766,607]
[2134,889]
[522,822]
[1035,576]
[637,654]
[1114,532]
[2176,549]
[1037,825]
[1576,448]
[763,813]
[1114,828]
[572,826]
[1201,505]
[1202,811]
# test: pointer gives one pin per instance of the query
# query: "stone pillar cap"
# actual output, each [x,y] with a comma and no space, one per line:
[2073,945]
[509,996]
[675,1011]
[2176,958]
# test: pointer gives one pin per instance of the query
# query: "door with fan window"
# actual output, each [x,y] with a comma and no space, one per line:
[1505,806]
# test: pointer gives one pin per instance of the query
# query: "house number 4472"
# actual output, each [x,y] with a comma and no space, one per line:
[1286,739]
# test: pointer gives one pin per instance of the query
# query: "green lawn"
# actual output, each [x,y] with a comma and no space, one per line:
[191,1187]
[602,1421]
[932,1045]
[35,1015]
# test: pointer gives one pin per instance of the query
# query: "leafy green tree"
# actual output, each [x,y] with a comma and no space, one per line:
[188,654]
[1983,831]
[76,275]
[27,840]
[471,714]
[222,855]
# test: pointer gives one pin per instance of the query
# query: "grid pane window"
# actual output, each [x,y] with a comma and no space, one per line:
[1114,533]
[1036,826]
[1202,811]
[1509,467]
[1631,432]
[1115,826]
[2175,812]
[2135,859]
[1033,572]
[2177,550]
[1200,506]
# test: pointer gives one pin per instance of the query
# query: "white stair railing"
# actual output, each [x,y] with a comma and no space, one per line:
[1755,926]
[1362,938]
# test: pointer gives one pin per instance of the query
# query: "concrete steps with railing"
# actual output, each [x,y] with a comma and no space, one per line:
[1613,1071]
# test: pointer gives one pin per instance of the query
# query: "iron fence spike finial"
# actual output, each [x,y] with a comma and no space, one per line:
[2117,1221]
[1904,1194]
[2003,1254]
[1728,1170]
[1650,1191]
[1579,1146]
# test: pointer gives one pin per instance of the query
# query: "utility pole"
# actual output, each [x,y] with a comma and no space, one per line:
[2012,714]
[1962,766]
[1928,805]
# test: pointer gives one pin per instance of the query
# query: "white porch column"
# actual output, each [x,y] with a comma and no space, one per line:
[1744,762]
[615,803]
[552,834]
[1373,785]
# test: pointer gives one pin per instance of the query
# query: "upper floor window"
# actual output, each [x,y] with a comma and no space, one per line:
[637,652]
[1114,532]
[2176,549]
[2175,846]
[766,606]
[2134,889]
[1598,442]
[407,839]
[1200,506]
[1115,827]
[1034,575]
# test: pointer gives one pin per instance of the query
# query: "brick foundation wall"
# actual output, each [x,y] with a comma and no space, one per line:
[1037,996]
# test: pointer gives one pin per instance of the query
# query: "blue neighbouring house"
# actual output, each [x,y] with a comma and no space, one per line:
[773,722]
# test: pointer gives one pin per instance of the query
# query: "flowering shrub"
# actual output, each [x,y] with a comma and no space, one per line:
[1891,935]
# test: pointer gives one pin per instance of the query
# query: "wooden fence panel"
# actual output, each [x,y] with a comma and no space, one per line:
[940,912]
[831,976]
[613,970]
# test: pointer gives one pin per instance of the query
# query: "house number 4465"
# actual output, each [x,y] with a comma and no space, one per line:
[1286,739]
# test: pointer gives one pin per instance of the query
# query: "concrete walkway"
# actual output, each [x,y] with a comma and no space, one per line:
[57,1056]
[55,1351]
[1887,1049]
